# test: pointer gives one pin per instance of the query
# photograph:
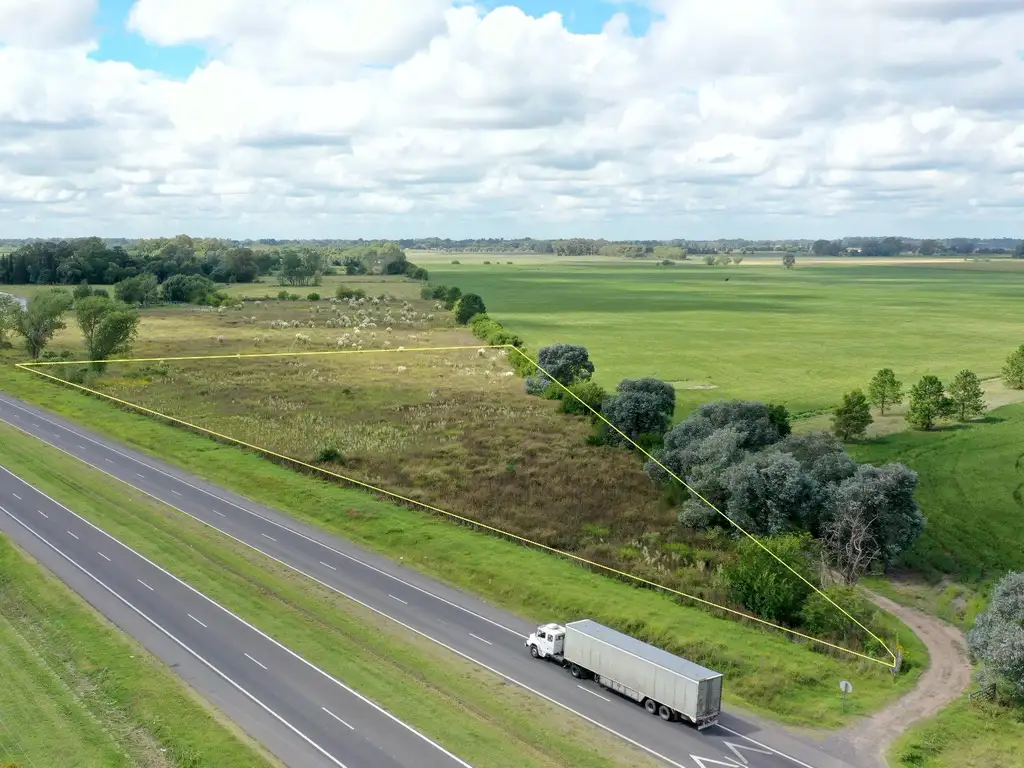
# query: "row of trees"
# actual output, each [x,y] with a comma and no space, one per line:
[894,246]
[740,458]
[928,402]
[92,260]
[109,326]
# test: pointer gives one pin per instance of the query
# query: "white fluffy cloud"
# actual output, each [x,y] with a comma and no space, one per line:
[404,117]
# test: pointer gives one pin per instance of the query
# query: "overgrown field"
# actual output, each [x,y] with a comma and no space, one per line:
[76,693]
[971,486]
[459,704]
[801,337]
[451,429]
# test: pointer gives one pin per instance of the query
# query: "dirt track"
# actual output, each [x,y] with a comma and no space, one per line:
[945,680]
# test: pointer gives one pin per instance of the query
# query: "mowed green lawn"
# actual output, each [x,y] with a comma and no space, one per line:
[802,336]
[971,489]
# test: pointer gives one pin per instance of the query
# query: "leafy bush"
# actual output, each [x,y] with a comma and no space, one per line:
[590,392]
[493,332]
[456,261]
[346,292]
[329,454]
[282,295]
[819,618]
[313,296]
[759,582]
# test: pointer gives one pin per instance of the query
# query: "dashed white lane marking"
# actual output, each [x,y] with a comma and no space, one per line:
[250,658]
[16,496]
[328,565]
[218,512]
[197,621]
[72,536]
[43,514]
[593,693]
[325,709]
[145,585]
[481,639]
[176,493]
[398,599]
[268,536]
[104,557]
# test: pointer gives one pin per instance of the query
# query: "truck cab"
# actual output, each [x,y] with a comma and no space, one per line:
[548,642]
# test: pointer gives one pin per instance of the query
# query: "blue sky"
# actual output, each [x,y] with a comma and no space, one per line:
[118,43]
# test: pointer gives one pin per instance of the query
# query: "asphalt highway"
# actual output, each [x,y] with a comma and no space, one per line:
[310,701]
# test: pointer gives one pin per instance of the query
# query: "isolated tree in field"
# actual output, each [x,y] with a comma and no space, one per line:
[109,327]
[710,259]
[1013,371]
[10,311]
[42,319]
[966,396]
[468,306]
[788,260]
[872,517]
[997,638]
[927,403]
[885,390]
[852,417]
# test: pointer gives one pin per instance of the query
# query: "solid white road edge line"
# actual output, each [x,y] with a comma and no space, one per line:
[356,600]
[238,618]
[291,727]
[241,508]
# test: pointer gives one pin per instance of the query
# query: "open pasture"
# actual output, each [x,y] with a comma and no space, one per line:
[801,337]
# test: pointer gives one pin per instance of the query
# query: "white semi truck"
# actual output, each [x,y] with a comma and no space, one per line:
[666,685]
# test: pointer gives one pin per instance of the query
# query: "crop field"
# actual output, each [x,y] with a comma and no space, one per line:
[801,337]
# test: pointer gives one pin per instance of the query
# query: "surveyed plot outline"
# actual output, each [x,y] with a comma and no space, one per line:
[36,368]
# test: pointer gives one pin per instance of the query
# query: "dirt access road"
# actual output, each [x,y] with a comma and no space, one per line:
[945,680]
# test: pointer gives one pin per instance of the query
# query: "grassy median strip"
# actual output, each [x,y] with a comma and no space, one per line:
[765,672]
[470,711]
[963,734]
[74,691]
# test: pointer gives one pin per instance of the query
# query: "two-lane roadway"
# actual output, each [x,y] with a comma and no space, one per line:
[465,625]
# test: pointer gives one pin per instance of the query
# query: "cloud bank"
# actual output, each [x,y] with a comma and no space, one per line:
[414,117]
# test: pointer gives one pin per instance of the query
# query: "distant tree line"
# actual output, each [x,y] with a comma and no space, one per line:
[92,261]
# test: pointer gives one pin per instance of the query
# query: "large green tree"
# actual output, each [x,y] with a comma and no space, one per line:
[109,327]
[928,403]
[967,398]
[788,260]
[42,319]
[885,390]
[997,638]
[10,311]
[1013,371]
[852,417]
[467,307]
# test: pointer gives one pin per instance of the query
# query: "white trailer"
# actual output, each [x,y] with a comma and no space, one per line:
[666,685]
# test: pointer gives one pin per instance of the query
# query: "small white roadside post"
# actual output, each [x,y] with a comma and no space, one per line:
[846,687]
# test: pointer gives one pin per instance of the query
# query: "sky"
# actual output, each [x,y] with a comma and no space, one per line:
[647,119]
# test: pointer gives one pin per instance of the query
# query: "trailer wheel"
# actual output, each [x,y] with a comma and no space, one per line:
[651,706]
[534,652]
[665,713]
[576,671]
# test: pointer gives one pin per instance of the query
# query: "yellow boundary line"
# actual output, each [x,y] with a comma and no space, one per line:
[32,368]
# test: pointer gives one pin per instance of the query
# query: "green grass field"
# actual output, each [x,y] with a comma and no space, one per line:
[769,673]
[970,488]
[460,705]
[964,735]
[802,337]
[75,693]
